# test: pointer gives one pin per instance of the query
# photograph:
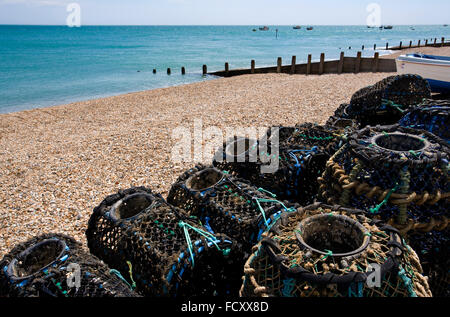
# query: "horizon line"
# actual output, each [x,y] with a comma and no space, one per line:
[17,24]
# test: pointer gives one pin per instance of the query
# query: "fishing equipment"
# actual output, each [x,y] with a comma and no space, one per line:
[386,101]
[55,265]
[325,251]
[226,204]
[161,250]
[432,116]
[302,152]
[398,174]
[433,249]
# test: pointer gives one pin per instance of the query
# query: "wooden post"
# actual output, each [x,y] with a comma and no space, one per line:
[410,44]
[183,71]
[154,70]
[374,47]
[435,39]
[418,43]
[443,41]
[400,45]
[252,67]
[363,47]
[308,66]
[279,62]
[168,71]
[375,62]
[227,68]
[358,62]
[321,65]
[341,63]
[294,61]
[387,46]
[205,70]
[426,42]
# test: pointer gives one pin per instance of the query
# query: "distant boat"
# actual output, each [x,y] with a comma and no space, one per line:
[431,67]
[254,30]
[309,28]
[298,27]
[388,27]
[264,28]
[445,24]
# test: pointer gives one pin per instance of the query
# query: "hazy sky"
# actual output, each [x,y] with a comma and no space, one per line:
[224,12]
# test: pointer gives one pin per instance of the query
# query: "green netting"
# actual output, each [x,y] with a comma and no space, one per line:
[324,251]
[161,249]
[47,266]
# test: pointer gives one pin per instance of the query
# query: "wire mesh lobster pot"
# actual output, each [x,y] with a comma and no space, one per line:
[433,249]
[385,102]
[226,204]
[302,153]
[160,250]
[398,174]
[324,251]
[55,265]
[432,116]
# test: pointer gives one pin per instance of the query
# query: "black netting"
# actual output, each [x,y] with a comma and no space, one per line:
[226,204]
[325,251]
[162,250]
[432,116]
[394,173]
[433,249]
[302,153]
[386,101]
[47,266]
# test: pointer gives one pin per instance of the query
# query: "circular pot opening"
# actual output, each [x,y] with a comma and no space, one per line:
[131,206]
[36,258]
[399,142]
[204,179]
[339,234]
[240,147]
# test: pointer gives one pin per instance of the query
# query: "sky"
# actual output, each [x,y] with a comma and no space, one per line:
[224,12]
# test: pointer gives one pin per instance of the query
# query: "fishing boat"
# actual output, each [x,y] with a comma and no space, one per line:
[435,69]
[298,27]
[388,27]
[265,28]
[309,28]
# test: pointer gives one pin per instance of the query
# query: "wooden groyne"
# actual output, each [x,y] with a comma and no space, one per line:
[345,64]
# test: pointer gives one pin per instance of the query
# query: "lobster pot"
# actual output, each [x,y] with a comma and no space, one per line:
[324,251]
[55,265]
[385,102]
[301,152]
[431,115]
[398,174]
[161,251]
[225,204]
[433,249]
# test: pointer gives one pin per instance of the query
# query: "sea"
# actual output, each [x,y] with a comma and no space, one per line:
[42,66]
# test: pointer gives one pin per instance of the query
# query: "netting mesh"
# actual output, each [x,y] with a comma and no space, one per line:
[394,173]
[324,251]
[433,249]
[41,266]
[432,116]
[160,249]
[302,153]
[386,101]
[226,204]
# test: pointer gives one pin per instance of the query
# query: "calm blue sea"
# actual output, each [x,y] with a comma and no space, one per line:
[50,65]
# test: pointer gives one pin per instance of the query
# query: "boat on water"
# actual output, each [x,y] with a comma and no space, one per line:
[435,69]
[265,28]
[309,28]
[297,27]
[388,27]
